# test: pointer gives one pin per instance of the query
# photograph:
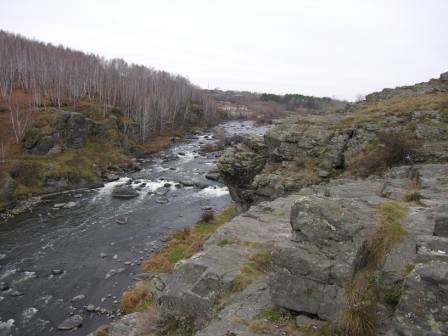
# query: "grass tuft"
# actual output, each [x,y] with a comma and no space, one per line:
[389,234]
[136,299]
[359,317]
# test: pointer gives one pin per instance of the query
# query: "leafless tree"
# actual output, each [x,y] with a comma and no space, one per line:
[156,100]
[20,119]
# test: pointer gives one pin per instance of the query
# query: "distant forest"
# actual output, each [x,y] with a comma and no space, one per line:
[293,101]
[58,76]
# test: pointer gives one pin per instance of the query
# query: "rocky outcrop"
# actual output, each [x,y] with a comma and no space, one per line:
[308,149]
[70,130]
[239,165]
[330,227]
[193,292]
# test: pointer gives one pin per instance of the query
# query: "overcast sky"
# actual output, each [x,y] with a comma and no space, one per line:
[318,47]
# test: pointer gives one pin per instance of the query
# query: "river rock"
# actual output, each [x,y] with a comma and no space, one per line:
[73,322]
[90,308]
[16,293]
[3,286]
[112,177]
[79,297]
[124,192]
[57,271]
[162,200]
[214,176]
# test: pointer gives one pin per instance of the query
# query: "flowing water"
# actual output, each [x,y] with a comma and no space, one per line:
[86,248]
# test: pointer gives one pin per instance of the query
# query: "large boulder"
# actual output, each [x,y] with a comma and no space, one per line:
[125,192]
[422,308]
[311,270]
[76,130]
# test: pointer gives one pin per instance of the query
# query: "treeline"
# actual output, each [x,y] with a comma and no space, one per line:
[293,101]
[156,100]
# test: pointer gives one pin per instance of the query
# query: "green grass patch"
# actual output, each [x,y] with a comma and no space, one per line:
[177,253]
[392,295]
[225,242]
[88,163]
[207,228]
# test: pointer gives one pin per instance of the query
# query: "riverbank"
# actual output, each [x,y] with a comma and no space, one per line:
[345,231]
[98,242]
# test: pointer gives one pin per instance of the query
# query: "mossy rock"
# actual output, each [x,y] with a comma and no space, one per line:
[31,138]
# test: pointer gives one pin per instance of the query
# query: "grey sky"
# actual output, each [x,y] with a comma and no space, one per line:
[318,47]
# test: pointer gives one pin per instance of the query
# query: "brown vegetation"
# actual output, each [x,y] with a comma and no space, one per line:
[137,298]
[388,150]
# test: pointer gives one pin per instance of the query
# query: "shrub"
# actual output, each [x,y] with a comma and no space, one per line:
[207,216]
[388,150]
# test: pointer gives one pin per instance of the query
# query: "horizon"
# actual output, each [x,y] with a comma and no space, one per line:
[397,44]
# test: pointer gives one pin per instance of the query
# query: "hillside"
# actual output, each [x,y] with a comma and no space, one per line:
[69,118]
[345,232]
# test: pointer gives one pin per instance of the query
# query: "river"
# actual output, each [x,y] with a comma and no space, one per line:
[85,248]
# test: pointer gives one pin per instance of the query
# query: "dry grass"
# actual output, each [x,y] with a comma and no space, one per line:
[136,299]
[388,150]
[102,330]
[184,243]
[359,317]
[401,106]
[389,234]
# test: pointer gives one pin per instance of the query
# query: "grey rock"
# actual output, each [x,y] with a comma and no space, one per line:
[76,130]
[16,293]
[73,322]
[79,297]
[162,200]
[56,149]
[112,177]
[420,310]
[57,271]
[124,192]
[3,286]
[31,137]
[90,308]
[444,76]
[441,223]
[304,321]
[44,144]
[213,176]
